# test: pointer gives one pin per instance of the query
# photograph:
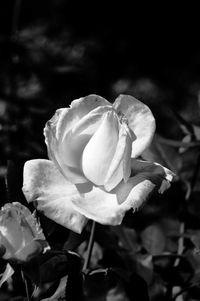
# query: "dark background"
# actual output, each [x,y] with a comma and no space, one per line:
[52,52]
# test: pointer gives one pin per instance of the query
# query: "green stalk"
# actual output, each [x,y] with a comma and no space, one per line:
[90,247]
[26,285]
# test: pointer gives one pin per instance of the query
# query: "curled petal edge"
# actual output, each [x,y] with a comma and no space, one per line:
[110,208]
[140,120]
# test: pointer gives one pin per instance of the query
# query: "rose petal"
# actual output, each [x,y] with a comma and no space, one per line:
[53,145]
[127,156]
[100,206]
[75,140]
[11,235]
[101,148]
[27,220]
[45,184]
[65,119]
[29,251]
[88,103]
[146,167]
[110,208]
[9,249]
[60,124]
[140,121]
[120,166]
[146,177]
[7,274]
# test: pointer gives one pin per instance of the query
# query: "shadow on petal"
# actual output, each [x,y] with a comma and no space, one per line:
[109,208]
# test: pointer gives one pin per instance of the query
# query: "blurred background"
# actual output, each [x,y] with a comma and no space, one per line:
[54,51]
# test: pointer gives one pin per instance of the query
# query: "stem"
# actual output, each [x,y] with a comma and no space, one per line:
[26,285]
[90,246]
[180,243]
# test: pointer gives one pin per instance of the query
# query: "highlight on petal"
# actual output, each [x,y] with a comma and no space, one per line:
[53,194]
[74,142]
[140,121]
[100,206]
[61,124]
[7,274]
[110,208]
[120,167]
[101,148]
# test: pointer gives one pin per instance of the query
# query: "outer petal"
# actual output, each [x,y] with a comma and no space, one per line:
[146,177]
[146,167]
[44,184]
[53,147]
[110,208]
[61,123]
[100,206]
[140,121]
[7,274]
[65,119]
[101,148]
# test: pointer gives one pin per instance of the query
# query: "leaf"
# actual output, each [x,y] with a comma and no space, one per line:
[144,267]
[128,238]
[96,256]
[185,126]
[53,265]
[157,289]
[74,240]
[50,266]
[153,239]
[115,284]
[74,287]
[197,131]
[194,236]
[98,282]
[117,293]
[60,291]
[171,229]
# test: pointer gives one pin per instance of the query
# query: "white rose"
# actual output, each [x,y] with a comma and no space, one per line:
[93,171]
[21,237]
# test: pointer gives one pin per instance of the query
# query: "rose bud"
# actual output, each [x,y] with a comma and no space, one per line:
[21,237]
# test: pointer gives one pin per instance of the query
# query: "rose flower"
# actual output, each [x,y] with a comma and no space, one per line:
[21,237]
[94,171]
